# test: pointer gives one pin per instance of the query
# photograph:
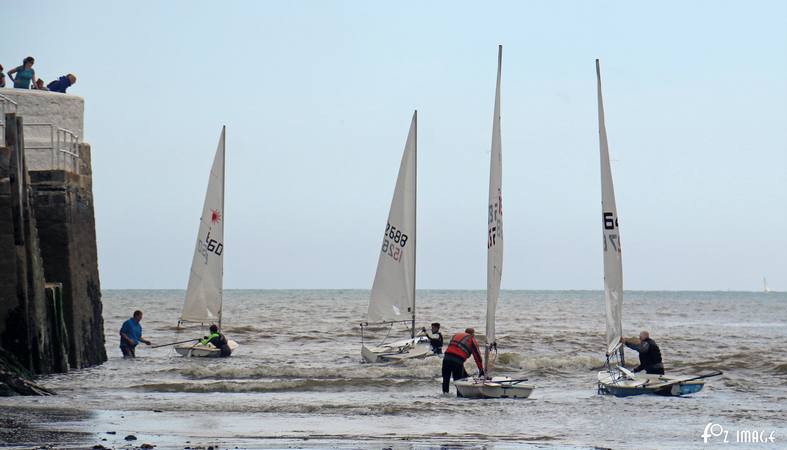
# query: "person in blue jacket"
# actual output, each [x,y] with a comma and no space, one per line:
[62,83]
[131,335]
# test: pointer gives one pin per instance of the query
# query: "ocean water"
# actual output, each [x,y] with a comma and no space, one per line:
[298,379]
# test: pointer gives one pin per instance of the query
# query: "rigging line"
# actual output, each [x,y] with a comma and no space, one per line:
[386,335]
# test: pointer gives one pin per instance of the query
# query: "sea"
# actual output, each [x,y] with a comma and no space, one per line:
[297,379]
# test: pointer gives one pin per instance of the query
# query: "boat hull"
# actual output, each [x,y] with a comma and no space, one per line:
[203,351]
[497,387]
[612,384]
[415,348]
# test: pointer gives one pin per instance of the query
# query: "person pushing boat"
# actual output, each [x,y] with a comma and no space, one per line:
[649,353]
[131,335]
[460,348]
[435,338]
[217,340]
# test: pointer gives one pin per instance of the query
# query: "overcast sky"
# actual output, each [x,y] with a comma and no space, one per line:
[317,99]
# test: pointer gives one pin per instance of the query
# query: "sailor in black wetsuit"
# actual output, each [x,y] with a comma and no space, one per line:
[649,354]
[435,338]
[218,340]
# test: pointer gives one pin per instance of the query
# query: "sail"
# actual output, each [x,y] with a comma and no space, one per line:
[494,255]
[393,291]
[204,293]
[613,264]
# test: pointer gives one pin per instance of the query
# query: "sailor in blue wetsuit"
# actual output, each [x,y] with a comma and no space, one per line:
[649,354]
[131,335]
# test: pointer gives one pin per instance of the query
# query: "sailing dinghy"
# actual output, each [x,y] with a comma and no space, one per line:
[615,379]
[392,300]
[205,289]
[490,386]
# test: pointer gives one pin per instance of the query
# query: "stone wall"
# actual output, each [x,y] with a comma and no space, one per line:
[66,228]
[24,310]
[47,234]
[45,114]
[62,110]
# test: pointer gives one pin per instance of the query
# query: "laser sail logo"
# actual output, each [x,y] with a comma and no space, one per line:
[215,216]
[716,433]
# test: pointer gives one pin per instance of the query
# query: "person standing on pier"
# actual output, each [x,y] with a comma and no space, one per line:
[24,74]
[131,335]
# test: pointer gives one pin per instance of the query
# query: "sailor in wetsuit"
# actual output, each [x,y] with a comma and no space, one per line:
[649,354]
[435,338]
[218,340]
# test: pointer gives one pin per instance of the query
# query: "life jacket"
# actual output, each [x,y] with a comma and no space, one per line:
[209,338]
[463,345]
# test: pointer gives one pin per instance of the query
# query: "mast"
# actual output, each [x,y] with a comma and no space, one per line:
[224,211]
[613,266]
[415,218]
[494,255]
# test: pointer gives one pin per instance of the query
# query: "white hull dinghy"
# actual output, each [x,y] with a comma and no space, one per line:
[205,291]
[392,299]
[490,386]
[203,350]
[615,379]
[496,387]
[415,348]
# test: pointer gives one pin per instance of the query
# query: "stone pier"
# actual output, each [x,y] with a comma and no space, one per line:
[50,297]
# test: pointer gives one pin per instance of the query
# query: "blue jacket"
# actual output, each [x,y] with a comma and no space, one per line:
[59,85]
[133,330]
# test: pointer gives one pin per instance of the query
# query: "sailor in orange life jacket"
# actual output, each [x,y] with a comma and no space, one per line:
[460,348]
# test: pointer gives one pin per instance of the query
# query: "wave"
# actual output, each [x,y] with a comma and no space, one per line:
[547,364]
[425,370]
[752,360]
[334,384]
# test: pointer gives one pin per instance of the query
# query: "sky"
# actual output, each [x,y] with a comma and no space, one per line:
[317,98]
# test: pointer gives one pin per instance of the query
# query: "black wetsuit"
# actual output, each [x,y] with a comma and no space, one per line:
[649,357]
[453,366]
[436,340]
[220,342]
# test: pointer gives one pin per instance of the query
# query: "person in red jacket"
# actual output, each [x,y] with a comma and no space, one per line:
[460,348]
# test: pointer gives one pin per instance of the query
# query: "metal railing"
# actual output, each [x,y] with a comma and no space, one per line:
[6,106]
[63,143]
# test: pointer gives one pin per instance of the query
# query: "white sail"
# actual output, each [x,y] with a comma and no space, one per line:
[494,255]
[205,288]
[613,264]
[393,291]
[765,285]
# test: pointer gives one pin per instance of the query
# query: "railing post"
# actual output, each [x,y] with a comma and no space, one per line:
[52,143]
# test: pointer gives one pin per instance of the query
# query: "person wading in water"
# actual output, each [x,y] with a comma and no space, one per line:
[460,348]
